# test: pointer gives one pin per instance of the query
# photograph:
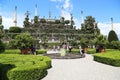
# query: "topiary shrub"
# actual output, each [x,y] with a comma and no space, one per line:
[15,29]
[112,36]
[41,51]
[2,47]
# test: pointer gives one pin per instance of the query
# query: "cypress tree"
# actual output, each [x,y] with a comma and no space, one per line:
[112,36]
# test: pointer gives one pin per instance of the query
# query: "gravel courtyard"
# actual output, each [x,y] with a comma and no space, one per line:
[81,69]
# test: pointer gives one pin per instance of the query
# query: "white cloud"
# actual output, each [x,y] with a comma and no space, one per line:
[67,7]
[106,27]
[8,21]
[77,23]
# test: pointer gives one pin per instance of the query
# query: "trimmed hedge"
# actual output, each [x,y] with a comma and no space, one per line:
[41,51]
[12,51]
[110,57]
[23,67]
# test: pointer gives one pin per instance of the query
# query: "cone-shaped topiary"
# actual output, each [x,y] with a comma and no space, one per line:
[112,36]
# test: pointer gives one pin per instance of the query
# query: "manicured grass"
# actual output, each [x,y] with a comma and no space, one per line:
[110,57]
[23,67]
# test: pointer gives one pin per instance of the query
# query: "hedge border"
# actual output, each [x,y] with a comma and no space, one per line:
[11,70]
[106,60]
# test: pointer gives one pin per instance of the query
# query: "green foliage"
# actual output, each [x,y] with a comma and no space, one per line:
[91,51]
[41,51]
[90,26]
[2,47]
[50,45]
[12,51]
[36,22]
[73,42]
[100,40]
[0,20]
[11,45]
[23,41]
[15,29]
[1,28]
[57,21]
[113,45]
[20,67]
[111,57]
[112,36]
[84,42]
[26,23]
[67,22]
[42,20]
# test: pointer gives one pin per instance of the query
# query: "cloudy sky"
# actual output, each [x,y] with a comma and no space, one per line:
[101,10]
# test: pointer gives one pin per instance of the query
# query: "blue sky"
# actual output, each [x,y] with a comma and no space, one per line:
[102,10]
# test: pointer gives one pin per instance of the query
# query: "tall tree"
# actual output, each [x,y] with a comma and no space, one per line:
[36,22]
[1,27]
[26,22]
[2,46]
[90,26]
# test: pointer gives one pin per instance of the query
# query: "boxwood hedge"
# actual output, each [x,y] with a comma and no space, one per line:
[111,57]
[23,67]
[41,51]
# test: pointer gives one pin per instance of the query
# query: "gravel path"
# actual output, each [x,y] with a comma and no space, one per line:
[81,69]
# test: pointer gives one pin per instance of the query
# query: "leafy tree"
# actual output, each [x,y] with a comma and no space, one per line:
[57,21]
[1,31]
[24,41]
[15,29]
[2,47]
[100,40]
[67,22]
[112,36]
[115,45]
[84,42]
[42,20]
[0,20]
[90,26]
[26,23]
[1,28]
[36,22]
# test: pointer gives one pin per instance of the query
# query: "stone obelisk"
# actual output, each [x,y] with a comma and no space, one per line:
[36,11]
[15,16]
[112,23]
[62,15]
[49,14]
[82,20]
